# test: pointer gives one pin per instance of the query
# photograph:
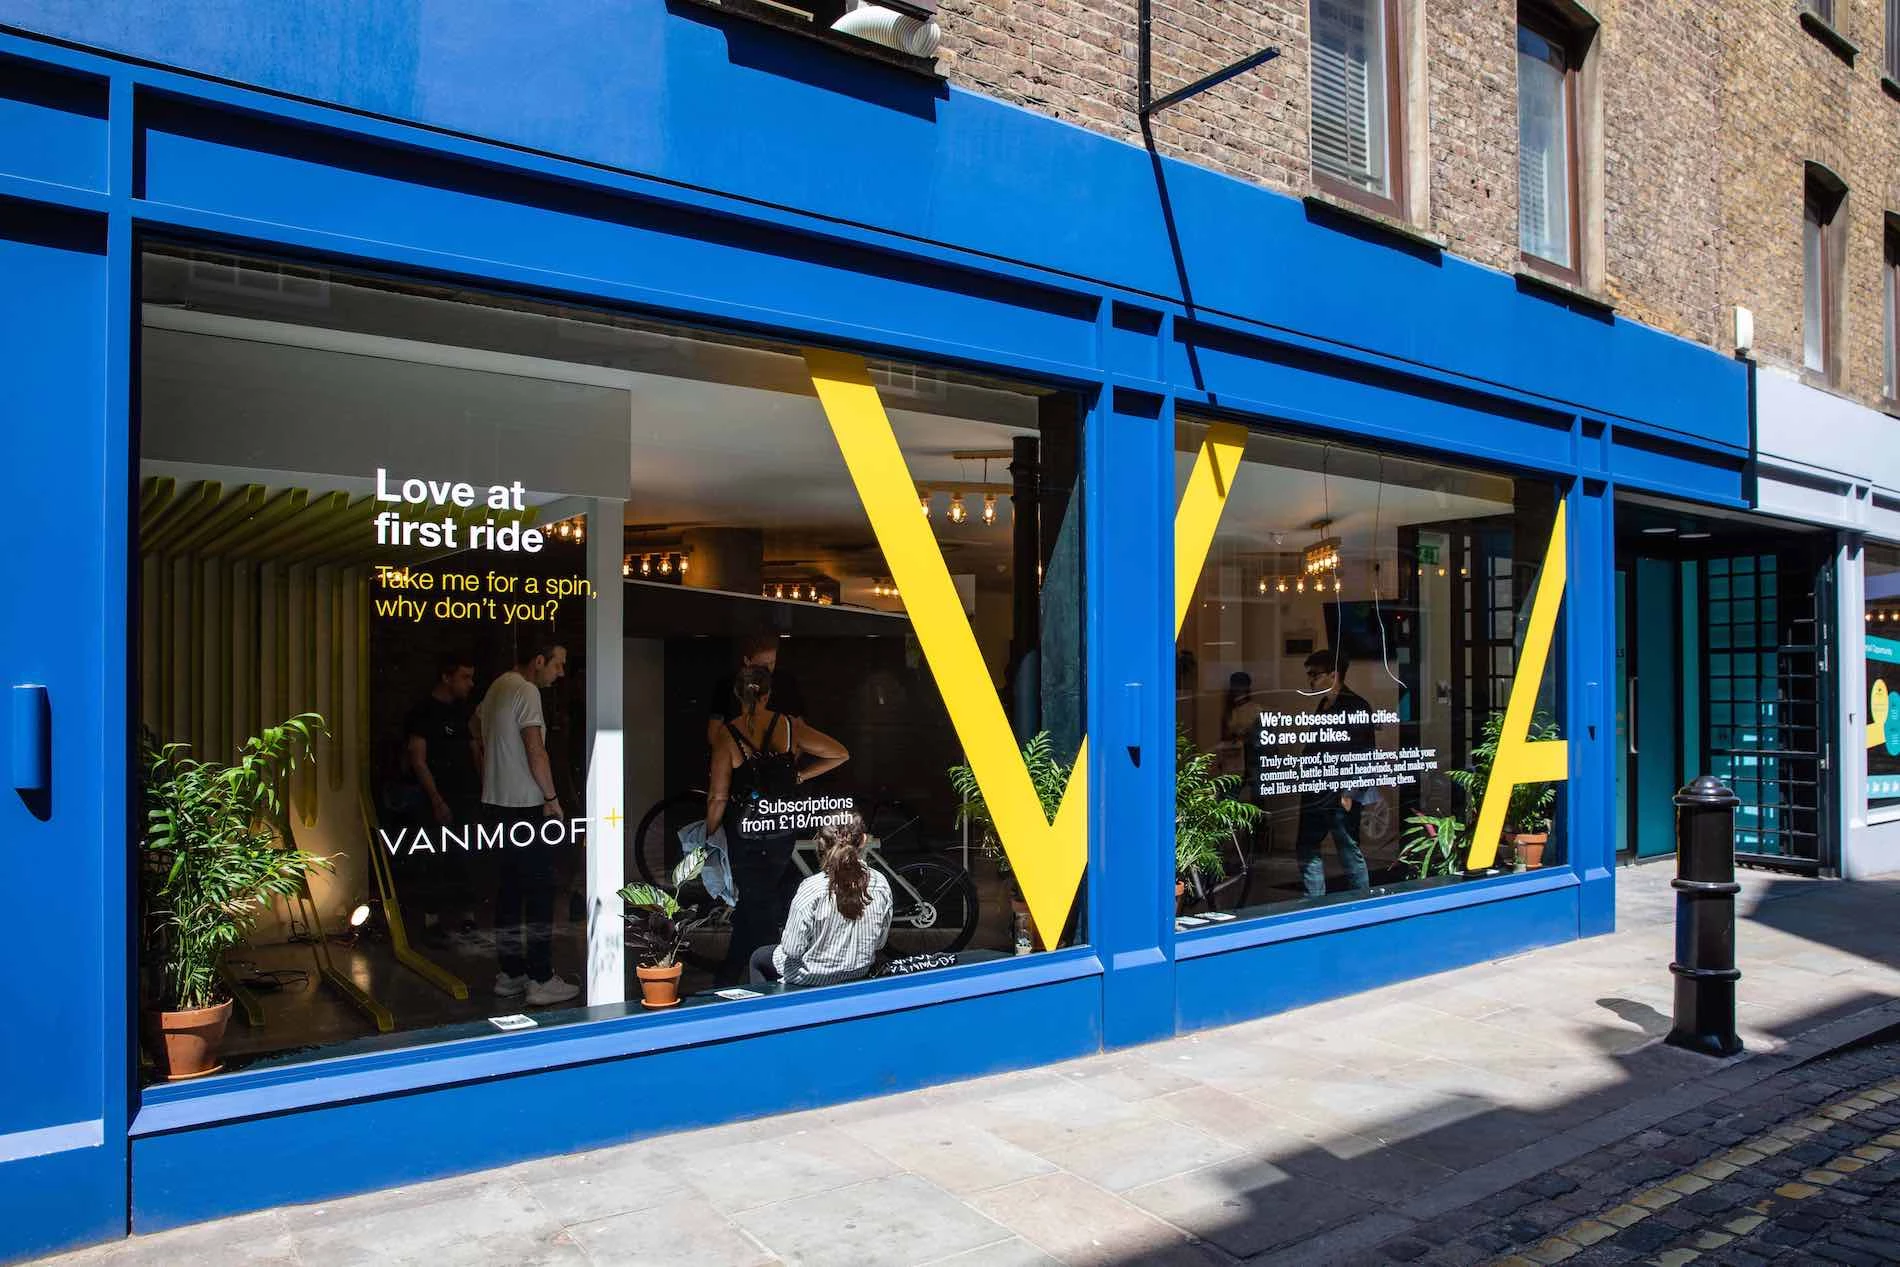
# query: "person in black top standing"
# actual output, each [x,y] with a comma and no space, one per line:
[757,650]
[760,756]
[1334,811]
[439,756]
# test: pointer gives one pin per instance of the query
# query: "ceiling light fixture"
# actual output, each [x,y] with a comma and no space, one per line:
[958,512]
[989,510]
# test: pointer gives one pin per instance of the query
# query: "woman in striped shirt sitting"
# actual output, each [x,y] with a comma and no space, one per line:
[839,918]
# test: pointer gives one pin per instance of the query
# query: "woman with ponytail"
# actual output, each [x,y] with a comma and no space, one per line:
[759,760]
[839,919]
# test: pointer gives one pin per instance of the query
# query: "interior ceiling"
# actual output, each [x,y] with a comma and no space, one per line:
[715,431]
[1659,521]
[1283,501]
[696,452]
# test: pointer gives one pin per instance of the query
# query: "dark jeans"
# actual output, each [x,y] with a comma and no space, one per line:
[443,882]
[524,899]
[760,870]
[762,969]
[1318,820]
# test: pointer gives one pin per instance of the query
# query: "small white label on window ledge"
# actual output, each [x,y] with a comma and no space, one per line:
[1189,921]
[1216,917]
[516,1021]
[737,992]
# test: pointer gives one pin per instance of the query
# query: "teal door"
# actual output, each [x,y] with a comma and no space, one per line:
[1649,712]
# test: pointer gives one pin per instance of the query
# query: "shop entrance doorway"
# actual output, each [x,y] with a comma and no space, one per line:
[1722,624]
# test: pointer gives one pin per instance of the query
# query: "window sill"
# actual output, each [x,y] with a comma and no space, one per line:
[770,15]
[1296,925]
[1892,86]
[1332,204]
[174,1106]
[1837,43]
[1821,382]
[1594,300]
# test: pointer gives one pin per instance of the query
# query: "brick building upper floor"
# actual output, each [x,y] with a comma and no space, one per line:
[1670,159]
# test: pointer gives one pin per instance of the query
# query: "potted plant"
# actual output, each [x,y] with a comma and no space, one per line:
[658,926]
[1049,776]
[212,861]
[1527,815]
[1206,816]
[1433,844]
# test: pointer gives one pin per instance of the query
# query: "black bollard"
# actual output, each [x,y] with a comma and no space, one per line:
[1705,919]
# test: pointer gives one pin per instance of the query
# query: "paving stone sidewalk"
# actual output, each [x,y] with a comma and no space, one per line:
[1514,1108]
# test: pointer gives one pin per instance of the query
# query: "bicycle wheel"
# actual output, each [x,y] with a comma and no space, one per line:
[656,841]
[934,908]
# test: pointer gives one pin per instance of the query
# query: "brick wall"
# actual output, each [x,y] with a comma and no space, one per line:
[1661,162]
[1708,114]
[1788,99]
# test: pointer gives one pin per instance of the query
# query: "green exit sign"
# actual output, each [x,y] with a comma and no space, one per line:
[1428,552]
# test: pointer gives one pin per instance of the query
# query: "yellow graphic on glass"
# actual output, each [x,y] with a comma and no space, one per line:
[1519,760]
[1877,705]
[1048,857]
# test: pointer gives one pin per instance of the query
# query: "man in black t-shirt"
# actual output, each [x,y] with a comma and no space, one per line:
[439,756]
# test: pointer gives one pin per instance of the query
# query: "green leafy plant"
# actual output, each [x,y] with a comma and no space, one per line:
[1049,776]
[1206,813]
[1433,844]
[1529,809]
[213,855]
[658,924]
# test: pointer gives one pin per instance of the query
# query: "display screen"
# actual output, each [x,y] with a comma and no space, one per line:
[1882,572]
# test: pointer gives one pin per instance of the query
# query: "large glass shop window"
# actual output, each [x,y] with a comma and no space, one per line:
[549,665]
[1365,675]
[1882,583]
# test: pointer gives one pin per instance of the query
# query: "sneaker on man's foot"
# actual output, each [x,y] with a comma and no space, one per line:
[507,986]
[553,990]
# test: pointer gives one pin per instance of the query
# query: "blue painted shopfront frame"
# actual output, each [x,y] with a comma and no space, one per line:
[976,234]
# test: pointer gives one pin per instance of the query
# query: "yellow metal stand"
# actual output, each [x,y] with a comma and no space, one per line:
[406,955]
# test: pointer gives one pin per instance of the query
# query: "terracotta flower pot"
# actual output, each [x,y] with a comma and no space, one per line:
[186,1044]
[1019,907]
[659,987]
[1530,848]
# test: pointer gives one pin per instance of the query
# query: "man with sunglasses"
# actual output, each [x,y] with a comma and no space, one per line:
[1334,811]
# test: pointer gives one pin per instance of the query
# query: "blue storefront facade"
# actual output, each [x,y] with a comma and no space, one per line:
[673,165]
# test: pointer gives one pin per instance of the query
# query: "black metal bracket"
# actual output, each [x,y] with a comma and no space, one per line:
[1148,104]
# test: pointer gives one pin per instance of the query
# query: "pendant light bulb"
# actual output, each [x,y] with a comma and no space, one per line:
[958,512]
[924,501]
[1300,585]
[1280,585]
[646,565]
[989,510]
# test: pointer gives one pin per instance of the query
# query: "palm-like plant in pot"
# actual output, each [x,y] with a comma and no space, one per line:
[213,860]
[1206,817]
[1048,775]
[658,927]
[1527,815]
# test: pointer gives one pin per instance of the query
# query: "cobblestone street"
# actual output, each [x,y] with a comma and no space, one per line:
[1803,1167]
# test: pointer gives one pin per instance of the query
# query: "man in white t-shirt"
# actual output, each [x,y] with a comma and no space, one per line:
[518,787]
